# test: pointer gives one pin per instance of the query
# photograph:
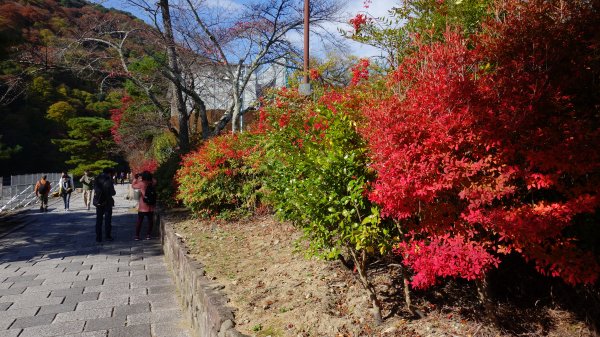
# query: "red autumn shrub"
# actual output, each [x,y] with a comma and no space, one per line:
[492,150]
[541,116]
[425,150]
[219,176]
[469,259]
[149,165]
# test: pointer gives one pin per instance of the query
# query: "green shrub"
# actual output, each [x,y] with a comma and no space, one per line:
[316,169]
[317,173]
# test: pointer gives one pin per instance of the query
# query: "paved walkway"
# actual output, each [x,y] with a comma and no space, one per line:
[56,281]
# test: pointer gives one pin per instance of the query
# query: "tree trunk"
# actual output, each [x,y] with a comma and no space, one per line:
[183,116]
[407,299]
[235,116]
[201,109]
[360,264]
[222,122]
[483,290]
[199,115]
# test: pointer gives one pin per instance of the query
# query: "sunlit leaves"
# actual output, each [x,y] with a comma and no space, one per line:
[61,111]
[484,147]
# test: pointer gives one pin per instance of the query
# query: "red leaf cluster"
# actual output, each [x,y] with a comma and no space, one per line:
[116,115]
[360,71]
[149,165]
[314,74]
[492,149]
[468,259]
[222,154]
[358,21]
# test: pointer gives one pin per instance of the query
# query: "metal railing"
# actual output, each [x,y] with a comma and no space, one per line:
[20,193]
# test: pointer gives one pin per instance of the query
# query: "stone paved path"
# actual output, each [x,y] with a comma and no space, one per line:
[56,281]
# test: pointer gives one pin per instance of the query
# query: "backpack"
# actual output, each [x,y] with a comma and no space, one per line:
[102,196]
[43,188]
[99,197]
[150,195]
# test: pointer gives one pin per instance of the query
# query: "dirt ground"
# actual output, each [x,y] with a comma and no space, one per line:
[277,291]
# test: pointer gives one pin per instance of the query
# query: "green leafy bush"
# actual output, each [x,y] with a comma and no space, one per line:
[318,179]
[317,172]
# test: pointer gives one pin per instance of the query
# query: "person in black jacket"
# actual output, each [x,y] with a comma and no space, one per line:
[104,190]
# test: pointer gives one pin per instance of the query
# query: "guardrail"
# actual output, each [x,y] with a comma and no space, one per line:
[20,193]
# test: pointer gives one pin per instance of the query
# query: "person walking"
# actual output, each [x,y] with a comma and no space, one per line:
[65,189]
[104,190]
[42,189]
[146,203]
[87,181]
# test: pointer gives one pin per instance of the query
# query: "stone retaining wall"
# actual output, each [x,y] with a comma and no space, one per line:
[203,304]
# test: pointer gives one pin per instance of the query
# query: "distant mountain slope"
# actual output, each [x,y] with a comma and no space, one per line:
[39,90]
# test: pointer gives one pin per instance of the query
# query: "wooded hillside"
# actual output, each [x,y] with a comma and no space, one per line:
[51,111]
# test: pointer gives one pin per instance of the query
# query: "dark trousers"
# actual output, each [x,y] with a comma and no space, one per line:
[103,213]
[44,202]
[140,219]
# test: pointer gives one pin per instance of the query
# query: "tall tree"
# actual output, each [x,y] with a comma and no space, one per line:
[253,36]
[88,144]
[176,85]
[143,57]
[192,36]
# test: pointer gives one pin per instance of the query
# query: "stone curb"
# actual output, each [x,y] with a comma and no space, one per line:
[203,305]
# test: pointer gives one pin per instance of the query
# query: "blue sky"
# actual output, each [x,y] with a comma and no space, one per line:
[377,8]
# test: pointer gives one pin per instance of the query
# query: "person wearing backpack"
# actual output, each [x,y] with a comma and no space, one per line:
[146,203]
[65,188]
[42,189]
[104,190]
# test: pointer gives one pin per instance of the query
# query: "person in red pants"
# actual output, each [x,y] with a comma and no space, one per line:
[147,202]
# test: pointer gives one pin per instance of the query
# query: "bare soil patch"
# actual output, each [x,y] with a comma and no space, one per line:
[277,291]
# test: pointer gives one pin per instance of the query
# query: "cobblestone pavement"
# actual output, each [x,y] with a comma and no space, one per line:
[57,281]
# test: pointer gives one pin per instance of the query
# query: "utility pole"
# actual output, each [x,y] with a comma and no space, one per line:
[304,88]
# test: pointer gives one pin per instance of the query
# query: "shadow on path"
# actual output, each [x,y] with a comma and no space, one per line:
[55,280]
[59,233]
